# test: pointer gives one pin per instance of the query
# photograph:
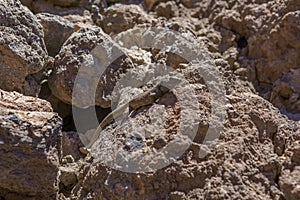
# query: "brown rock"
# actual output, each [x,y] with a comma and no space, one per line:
[123,1]
[66,3]
[14,196]
[73,10]
[50,6]
[252,42]
[73,54]
[76,53]
[79,17]
[17,101]
[118,18]
[290,183]
[71,144]
[263,38]
[68,176]
[289,180]
[22,48]
[167,10]
[57,30]
[286,92]
[30,144]
[150,3]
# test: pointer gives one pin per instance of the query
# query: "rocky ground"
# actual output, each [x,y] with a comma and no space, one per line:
[249,51]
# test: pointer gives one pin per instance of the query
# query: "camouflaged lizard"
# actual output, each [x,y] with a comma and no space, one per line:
[143,99]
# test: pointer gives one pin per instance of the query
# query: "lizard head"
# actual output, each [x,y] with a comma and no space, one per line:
[158,91]
[162,89]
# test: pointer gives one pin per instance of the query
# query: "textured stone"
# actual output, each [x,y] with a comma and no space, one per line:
[286,92]
[150,3]
[22,48]
[254,44]
[260,41]
[118,18]
[247,152]
[167,10]
[30,135]
[289,180]
[290,184]
[76,53]
[57,30]
[68,176]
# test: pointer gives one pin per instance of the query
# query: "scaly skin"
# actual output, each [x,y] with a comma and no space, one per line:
[146,98]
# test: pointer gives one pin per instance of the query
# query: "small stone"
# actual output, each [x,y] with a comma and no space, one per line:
[68,159]
[68,176]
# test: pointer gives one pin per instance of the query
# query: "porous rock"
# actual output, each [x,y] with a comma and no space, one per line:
[264,35]
[286,92]
[289,180]
[22,48]
[30,135]
[244,163]
[80,52]
[253,43]
[118,18]
[232,163]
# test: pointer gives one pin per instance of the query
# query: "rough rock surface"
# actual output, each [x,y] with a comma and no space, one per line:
[167,9]
[77,11]
[260,41]
[30,147]
[52,6]
[60,3]
[245,164]
[286,93]
[56,29]
[118,18]
[77,54]
[22,48]
[70,59]
[253,43]
[289,179]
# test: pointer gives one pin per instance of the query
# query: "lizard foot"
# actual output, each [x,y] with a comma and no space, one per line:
[84,150]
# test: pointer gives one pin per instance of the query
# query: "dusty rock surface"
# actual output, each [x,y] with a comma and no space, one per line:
[30,147]
[52,6]
[247,159]
[254,44]
[289,179]
[265,40]
[118,18]
[70,60]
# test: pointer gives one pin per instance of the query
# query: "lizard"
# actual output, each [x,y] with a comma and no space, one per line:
[143,99]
